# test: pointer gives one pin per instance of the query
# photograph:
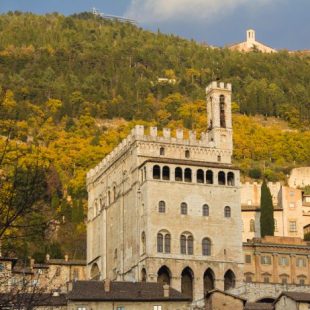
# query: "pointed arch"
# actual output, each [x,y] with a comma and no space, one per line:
[208,281]
[187,278]
[164,275]
[229,280]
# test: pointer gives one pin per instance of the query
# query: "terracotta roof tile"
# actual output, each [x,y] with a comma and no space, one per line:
[122,291]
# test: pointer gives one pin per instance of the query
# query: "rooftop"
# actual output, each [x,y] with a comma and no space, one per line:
[122,291]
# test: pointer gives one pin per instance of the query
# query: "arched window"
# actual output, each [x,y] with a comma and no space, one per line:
[187,243]
[221,178]
[227,211]
[161,207]
[167,243]
[190,245]
[209,177]
[162,151]
[230,179]
[156,172]
[143,241]
[160,241]
[187,154]
[200,176]
[206,247]
[188,175]
[163,242]
[229,280]
[183,244]
[205,210]
[222,112]
[252,225]
[184,208]
[178,174]
[166,173]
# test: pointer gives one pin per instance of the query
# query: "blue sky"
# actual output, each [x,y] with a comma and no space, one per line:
[278,23]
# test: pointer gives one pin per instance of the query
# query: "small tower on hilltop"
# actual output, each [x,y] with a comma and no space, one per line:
[219,115]
[250,35]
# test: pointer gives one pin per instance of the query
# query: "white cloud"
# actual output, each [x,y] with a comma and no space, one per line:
[150,11]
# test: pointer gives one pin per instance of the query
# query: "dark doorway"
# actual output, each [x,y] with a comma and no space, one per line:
[187,282]
[164,275]
[208,281]
[229,280]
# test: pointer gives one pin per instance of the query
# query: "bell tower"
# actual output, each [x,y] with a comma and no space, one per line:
[219,115]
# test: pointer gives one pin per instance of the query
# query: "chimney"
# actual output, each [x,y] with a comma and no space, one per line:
[107,285]
[66,257]
[166,290]
[47,258]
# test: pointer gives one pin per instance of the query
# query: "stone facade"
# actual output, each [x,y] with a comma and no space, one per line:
[299,177]
[167,209]
[218,300]
[291,210]
[251,44]
[277,260]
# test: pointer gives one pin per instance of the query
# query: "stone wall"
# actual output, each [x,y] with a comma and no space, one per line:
[256,291]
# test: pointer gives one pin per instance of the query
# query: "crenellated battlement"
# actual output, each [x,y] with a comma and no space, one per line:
[139,133]
[218,86]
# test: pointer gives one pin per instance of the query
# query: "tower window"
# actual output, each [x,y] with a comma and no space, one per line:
[209,177]
[230,179]
[161,207]
[205,210]
[166,173]
[187,243]
[183,244]
[190,245]
[187,154]
[221,178]
[178,174]
[206,247]
[222,112]
[227,212]
[167,243]
[160,241]
[156,172]
[163,242]
[184,208]
[200,176]
[188,175]
[162,151]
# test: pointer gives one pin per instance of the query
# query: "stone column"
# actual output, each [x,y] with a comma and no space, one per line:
[293,268]
[275,263]
[257,266]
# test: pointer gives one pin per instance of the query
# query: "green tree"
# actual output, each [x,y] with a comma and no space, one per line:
[266,212]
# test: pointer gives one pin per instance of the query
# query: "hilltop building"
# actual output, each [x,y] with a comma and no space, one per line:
[167,209]
[251,44]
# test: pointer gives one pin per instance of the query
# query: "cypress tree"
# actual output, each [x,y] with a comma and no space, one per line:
[266,212]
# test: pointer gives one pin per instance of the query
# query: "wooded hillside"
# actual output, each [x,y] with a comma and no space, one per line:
[72,87]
